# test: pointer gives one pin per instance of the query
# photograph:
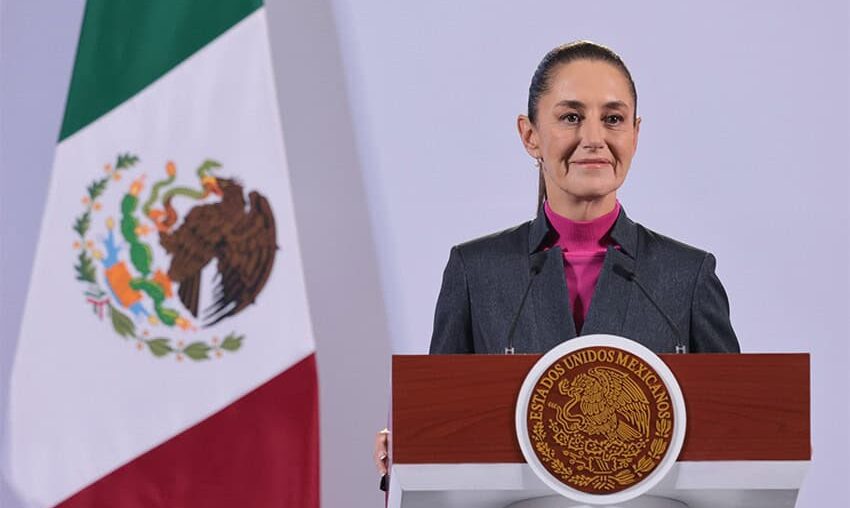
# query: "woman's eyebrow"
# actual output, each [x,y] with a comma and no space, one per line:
[575,104]
[620,105]
[571,103]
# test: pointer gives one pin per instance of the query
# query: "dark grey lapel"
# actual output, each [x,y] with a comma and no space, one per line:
[549,297]
[551,302]
[611,298]
[613,293]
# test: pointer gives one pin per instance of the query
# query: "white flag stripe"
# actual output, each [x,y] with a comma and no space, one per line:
[83,400]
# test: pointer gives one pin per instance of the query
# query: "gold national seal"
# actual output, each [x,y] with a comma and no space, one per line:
[600,419]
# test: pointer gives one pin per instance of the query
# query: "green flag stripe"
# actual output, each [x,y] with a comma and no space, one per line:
[125,45]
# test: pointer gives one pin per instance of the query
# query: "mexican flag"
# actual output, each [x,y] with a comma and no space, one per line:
[166,355]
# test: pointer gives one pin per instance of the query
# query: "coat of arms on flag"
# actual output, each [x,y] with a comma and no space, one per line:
[141,261]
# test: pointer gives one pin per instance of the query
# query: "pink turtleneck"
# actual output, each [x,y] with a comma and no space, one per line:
[584,245]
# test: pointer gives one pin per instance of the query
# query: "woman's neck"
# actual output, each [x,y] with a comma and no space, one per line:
[582,210]
[581,236]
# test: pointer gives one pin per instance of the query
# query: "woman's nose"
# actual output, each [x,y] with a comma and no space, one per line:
[592,135]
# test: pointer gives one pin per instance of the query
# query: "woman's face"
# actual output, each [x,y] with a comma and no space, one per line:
[586,134]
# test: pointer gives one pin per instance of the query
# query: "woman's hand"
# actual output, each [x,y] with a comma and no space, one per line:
[381,451]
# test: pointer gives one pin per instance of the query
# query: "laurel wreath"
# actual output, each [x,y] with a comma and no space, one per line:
[603,482]
[546,454]
[123,325]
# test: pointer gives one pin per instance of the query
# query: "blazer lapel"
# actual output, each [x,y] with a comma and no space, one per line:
[611,298]
[610,303]
[553,321]
[551,301]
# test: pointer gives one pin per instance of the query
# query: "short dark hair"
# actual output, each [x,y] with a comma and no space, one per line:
[566,53]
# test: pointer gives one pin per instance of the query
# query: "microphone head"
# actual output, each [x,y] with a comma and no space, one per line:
[624,272]
[537,262]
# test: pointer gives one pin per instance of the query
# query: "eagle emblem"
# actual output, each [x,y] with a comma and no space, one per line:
[167,260]
[600,420]
[604,401]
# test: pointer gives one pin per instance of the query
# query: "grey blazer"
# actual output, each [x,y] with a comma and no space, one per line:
[485,278]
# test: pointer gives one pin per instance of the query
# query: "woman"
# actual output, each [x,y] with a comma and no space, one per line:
[586,267]
[594,263]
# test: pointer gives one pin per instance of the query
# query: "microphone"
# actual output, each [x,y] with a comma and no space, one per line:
[536,267]
[631,276]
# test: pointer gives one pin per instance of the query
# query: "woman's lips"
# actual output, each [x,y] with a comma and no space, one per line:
[591,163]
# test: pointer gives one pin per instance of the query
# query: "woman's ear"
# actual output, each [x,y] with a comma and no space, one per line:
[528,135]
[637,133]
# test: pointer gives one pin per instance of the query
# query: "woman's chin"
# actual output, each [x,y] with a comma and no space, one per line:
[592,192]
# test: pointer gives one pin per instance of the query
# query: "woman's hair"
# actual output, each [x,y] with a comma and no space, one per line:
[564,54]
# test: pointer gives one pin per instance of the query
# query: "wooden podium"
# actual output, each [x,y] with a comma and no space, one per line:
[453,440]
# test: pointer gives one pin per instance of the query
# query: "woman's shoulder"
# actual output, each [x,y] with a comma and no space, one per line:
[668,253]
[506,241]
[656,240]
[652,248]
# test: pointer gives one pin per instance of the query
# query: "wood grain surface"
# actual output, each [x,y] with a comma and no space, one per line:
[460,408]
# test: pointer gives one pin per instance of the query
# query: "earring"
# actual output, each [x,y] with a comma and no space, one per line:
[539,163]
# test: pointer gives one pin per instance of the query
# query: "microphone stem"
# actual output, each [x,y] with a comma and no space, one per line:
[680,348]
[509,350]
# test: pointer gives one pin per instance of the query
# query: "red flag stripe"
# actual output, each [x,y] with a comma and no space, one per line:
[260,451]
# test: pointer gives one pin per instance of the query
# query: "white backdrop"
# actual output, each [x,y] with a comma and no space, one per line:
[743,151]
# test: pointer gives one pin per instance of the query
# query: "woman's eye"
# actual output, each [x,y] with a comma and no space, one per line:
[571,118]
[613,119]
